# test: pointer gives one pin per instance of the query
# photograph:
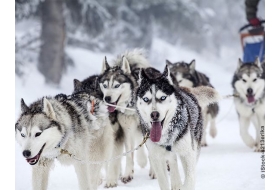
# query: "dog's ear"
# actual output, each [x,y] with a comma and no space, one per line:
[142,75]
[192,66]
[166,74]
[105,65]
[24,107]
[77,84]
[170,65]
[47,108]
[257,62]
[240,63]
[125,65]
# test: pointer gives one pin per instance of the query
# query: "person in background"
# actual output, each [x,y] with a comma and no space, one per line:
[251,12]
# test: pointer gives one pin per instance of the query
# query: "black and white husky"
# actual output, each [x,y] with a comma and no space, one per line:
[172,116]
[249,86]
[76,123]
[117,83]
[187,76]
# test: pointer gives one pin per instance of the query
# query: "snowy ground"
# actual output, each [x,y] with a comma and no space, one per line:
[226,164]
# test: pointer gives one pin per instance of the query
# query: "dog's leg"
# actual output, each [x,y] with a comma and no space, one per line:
[114,167]
[94,175]
[213,129]
[259,125]
[205,123]
[189,165]
[158,162]
[174,172]
[140,153]
[82,175]
[152,173]
[244,123]
[129,145]
[40,174]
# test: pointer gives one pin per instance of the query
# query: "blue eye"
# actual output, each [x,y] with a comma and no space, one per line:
[146,99]
[104,85]
[22,135]
[117,86]
[162,98]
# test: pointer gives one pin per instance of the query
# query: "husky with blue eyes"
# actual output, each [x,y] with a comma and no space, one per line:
[118,83]
[172,116]
[76,123]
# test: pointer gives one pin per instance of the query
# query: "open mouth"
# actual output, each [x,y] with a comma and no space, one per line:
[112,108]
[155,133]
[250,98]
[35,159]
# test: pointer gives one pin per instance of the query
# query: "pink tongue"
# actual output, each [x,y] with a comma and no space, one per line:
[111,109]
[250,99]
[33,159]
[155,134]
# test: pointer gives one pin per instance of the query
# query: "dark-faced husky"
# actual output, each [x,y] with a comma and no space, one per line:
[172,116]
[117,83]
[187,76]
[249,87]
[76,123]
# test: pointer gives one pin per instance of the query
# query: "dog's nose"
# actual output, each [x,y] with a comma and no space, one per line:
[108,99]
[26,153]
[155,115]
[250,91]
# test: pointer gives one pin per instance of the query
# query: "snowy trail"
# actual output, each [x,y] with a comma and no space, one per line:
[226,164]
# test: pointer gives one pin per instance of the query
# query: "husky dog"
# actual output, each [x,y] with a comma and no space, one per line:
[76,123]
[172,116]
[113,170]
[187,76]
[117,83]
[249,86]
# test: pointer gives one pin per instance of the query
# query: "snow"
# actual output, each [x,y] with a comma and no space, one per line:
[226,164]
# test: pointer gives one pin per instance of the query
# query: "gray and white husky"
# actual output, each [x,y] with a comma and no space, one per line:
[76,123]
[172,116]
[113,170]
[117,84]
[249,86]
[187,76]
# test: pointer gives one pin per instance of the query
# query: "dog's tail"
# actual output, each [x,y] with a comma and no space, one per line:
[205,95]
[137,57]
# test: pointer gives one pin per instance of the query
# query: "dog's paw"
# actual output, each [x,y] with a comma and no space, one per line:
[204,144]
[213,132]
[126,179]
[259,149]
[152,174]
[110,184]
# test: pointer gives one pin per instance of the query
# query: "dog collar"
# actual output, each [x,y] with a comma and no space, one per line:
[63,139]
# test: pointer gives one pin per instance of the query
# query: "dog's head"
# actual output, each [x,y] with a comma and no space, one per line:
[116,84]
[249,81]
[89,85]
[37,130]
[184,72]
[155,101]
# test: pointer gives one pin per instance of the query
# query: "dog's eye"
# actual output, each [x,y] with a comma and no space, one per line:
[104,85]
[180,81]
[22,135]
[162,98]
[255,80]
[146,99]
[244,80]
[37,134]
[117,86]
